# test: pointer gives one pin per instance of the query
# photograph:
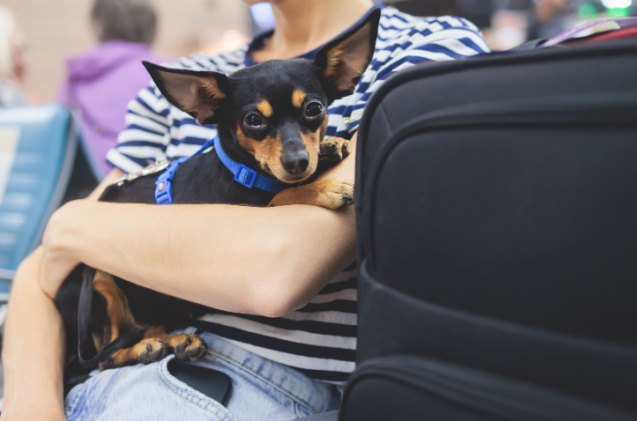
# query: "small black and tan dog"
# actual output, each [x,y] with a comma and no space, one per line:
[271,118]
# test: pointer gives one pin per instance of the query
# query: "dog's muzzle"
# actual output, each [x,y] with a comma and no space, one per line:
[294,157]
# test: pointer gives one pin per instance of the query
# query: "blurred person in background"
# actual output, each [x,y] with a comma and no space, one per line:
[100,82]
[548,18]
[282,276]
[12,61]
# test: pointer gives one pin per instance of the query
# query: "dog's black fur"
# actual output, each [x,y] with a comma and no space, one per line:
[204,179]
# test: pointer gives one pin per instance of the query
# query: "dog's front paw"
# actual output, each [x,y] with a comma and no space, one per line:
[145,351]
[336,194]
[151,350]
[188,346]
[330,194]
[333,149]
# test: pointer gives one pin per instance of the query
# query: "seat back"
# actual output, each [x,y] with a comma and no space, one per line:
[37,152]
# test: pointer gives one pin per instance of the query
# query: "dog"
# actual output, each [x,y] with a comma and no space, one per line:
[271,120]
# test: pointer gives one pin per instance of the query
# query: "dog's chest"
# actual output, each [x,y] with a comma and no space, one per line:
[199,180]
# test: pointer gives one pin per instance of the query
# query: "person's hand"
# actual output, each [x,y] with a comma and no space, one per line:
[57,262]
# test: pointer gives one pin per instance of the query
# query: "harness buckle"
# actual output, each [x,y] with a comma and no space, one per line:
[163,185]
[246,176]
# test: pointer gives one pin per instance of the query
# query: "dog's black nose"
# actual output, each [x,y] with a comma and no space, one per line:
[295,162]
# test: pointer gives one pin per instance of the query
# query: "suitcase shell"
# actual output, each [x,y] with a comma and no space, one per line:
[496,211]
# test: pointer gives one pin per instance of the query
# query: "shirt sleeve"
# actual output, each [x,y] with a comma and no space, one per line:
[434,39]
[146,136]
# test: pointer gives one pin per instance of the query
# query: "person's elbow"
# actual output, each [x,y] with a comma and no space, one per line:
[285,284]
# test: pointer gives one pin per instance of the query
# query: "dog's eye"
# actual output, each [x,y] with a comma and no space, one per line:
[254,121]
[313,110]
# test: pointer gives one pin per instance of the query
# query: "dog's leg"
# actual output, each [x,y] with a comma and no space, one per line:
[156,345]
[330,194]
[120,319]
[333,149]
[119,315]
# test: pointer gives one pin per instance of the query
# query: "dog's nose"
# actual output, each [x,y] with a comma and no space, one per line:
[295,160]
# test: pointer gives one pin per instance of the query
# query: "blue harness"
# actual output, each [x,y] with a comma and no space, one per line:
[243,175]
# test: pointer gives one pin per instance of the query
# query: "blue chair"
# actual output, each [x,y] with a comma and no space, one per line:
[37,155]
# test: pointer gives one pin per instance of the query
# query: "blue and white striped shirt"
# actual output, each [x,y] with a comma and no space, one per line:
[320,338]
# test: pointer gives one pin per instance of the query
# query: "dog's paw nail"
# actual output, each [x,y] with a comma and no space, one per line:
[191,348]
[154,350]
[345,151]
[181,348]
[196,353]
[346,200]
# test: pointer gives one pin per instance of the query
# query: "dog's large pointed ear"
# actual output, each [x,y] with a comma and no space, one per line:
[343,60]
[197,93]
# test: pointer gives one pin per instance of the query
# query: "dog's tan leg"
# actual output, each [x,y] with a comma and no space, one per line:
[119,319]
[333,149]
[117,308]
[330,194]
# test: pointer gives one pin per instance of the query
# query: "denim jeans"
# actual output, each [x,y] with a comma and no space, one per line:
[261,389]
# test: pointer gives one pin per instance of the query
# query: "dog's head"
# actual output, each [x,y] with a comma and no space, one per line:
[275,110]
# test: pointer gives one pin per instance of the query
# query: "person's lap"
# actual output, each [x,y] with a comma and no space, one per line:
[261,389]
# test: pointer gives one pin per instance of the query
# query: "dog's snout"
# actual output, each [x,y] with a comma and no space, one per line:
[297,163]
[295,158]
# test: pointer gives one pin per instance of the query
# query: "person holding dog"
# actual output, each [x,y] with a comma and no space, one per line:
[282,277]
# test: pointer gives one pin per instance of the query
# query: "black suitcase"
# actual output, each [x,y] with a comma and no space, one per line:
[497,223]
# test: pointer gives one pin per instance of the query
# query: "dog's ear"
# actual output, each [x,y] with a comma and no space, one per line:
[197,93]
[343,60]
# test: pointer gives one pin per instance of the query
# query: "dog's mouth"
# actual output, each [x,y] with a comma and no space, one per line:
[287,177]
[295,178]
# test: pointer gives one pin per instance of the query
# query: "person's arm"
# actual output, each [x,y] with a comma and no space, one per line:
[33,349]
[263,261]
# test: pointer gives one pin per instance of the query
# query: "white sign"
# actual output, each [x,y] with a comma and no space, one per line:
[8,147]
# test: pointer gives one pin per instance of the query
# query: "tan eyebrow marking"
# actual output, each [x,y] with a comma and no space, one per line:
[265,108]
[298,97]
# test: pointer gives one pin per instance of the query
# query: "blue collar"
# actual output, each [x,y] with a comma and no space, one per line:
[243,175]
[246,176]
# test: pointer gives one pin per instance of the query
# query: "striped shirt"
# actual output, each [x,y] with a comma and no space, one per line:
[320,338]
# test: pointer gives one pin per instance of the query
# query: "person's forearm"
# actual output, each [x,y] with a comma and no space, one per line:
[33,350]
[235,258]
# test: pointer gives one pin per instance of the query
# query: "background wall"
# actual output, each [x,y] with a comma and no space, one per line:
[55,29]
